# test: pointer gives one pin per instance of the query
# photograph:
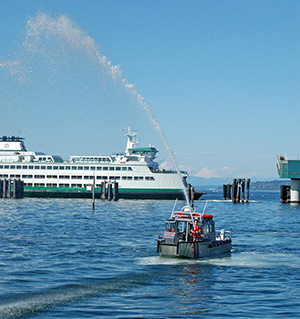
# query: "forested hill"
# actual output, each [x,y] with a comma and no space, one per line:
[269,185]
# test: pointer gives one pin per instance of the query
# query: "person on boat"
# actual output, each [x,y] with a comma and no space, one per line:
[195,231]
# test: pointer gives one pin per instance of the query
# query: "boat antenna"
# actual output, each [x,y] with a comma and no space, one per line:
[204,207]
[174,206]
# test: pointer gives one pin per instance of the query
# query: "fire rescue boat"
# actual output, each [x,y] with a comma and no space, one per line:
[179,239]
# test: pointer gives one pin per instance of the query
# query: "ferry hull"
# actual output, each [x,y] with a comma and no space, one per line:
[134,194]
[195,250]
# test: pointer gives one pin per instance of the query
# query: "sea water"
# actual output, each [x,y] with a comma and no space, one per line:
[59,259]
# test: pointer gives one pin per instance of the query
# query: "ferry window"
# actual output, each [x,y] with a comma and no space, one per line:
[35,167]
[86,168]
[76,177]
[18,166]
[130,168]
[170,227]
[1,166]
[105,168]
[76,185]
[39,176]
[138,178]
[88,177]
[111,168]
[49,167]
[118,168]
[149,178]
[68,167]
[92,168]
[12,166]
[6,166]
[24,167]
[74,168]
[62,167]
[99,168]
[30,167]
[55,167]
[80,168]
[43,167]
[129,177]
[124,168]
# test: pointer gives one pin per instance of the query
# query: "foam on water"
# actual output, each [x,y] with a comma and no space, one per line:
[20,305]
[236,259]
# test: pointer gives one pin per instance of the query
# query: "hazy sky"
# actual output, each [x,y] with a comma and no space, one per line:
[221,78]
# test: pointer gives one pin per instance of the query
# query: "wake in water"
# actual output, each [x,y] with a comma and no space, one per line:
[21,305]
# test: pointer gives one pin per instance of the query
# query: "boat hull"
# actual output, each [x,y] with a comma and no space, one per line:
[195,250]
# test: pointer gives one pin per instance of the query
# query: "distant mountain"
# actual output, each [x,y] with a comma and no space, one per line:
[213,181]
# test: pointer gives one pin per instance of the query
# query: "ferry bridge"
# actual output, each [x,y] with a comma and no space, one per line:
[290,169]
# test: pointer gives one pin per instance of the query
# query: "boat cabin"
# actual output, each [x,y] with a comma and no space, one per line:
[179,226]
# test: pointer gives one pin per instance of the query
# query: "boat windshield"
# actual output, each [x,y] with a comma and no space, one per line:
[208,228]
[170,227]
[181,227]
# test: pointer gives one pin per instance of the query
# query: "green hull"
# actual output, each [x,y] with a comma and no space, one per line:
[59,192]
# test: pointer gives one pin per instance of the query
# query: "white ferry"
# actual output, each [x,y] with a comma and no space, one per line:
[137,174]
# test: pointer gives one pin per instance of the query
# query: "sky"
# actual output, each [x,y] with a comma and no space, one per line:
[219,79]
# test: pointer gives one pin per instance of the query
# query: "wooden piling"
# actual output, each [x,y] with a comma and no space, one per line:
[234,190]
[248,189]
[109,191]
[103,190]
[116,191]
[243,189]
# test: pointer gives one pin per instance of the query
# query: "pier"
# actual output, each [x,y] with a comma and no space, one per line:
[289,169]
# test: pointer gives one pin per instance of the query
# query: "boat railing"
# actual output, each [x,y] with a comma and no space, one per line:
[223,234]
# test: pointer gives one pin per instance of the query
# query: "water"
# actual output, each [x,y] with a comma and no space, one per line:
[58,259]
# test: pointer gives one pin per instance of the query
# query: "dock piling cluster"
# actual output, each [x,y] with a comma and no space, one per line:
[111,192]
[235,190]
[11,188]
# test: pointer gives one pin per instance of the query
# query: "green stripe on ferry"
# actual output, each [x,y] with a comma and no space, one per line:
[121,190]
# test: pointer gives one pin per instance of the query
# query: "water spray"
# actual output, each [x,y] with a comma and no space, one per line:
[64,29]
